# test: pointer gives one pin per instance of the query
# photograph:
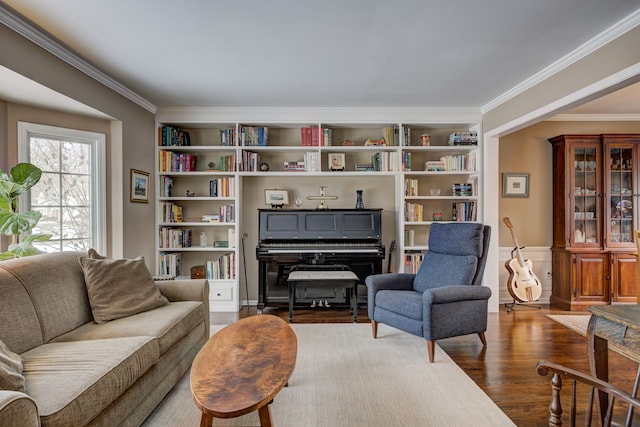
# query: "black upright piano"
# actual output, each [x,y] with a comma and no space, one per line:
[322,238]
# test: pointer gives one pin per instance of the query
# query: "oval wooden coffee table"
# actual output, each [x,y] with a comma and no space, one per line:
[242,368]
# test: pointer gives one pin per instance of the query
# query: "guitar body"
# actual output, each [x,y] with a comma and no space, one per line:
[523,284]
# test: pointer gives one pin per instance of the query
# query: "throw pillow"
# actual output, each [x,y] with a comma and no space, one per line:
[438,270]
[11,377]
[119,287]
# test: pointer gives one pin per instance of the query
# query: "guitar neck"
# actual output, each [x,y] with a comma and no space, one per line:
[518,253]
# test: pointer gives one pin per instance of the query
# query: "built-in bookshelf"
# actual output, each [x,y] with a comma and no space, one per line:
[200,179]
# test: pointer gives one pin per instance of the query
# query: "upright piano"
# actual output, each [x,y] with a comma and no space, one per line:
[322,238]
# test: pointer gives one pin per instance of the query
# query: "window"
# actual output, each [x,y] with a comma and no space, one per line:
[71,193]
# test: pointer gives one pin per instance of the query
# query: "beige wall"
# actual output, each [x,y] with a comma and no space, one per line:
[529,151]
[132,137]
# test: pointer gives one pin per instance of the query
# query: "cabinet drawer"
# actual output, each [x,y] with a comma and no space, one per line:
[221,293]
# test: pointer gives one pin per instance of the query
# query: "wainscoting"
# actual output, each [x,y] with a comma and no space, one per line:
[541,259]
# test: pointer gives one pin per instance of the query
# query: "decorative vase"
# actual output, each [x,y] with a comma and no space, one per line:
[203,239]
[359,202]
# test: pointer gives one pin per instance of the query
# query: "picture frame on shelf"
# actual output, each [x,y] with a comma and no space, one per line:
[139,186]
[336,161]
[276,198]
[515,184]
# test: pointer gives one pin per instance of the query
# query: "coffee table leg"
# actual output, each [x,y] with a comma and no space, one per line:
[265,416]
[206,420]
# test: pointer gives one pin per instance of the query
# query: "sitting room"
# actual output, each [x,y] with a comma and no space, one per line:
[325,214]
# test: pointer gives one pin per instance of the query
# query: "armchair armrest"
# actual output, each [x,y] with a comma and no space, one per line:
[188,290]
[18,409]
[392,281]
[455,293]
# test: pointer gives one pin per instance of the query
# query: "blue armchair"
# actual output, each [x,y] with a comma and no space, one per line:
[445,298]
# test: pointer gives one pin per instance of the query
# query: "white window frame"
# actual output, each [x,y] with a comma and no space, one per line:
[97,142]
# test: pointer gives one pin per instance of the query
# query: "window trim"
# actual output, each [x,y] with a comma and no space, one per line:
[97,141]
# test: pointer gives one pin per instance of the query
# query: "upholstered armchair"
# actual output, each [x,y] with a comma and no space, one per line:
[445,298]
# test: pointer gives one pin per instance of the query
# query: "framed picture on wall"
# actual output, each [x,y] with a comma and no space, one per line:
[515,184]
[139,186]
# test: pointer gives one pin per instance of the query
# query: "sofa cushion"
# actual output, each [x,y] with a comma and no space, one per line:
[168,324]
[10,370]
[119,287]
[53,299]
[72,382]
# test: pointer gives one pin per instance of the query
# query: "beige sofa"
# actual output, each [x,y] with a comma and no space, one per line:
[78,372]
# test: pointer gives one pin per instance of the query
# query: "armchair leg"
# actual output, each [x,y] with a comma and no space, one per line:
[431,349]
[482,338]
[374,329]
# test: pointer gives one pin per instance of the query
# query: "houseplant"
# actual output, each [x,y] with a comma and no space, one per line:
[21,179]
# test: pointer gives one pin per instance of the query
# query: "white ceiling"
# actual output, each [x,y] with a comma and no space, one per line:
[329,53]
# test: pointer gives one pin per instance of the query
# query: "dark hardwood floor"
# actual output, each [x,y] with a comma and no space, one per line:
[505,369]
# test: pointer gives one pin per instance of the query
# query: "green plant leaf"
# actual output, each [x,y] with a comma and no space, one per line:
[18,222]
[28,238]
[23,177]
[23,249]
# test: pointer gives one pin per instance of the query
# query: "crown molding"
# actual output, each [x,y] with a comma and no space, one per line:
[334,115]
[594,118]
[36,35]
[621,27]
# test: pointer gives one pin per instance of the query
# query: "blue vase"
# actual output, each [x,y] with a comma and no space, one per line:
[359,202]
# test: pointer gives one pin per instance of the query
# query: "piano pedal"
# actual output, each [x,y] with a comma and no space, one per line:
[320,303]
[326,304]
[313,304]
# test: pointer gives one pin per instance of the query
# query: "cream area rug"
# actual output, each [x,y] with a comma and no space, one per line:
[343,377]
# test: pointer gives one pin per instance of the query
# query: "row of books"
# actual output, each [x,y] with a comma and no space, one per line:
[227,213]
[166,186]
[391,135]
[463,211]
[385,161]
[413,212]
[315,136]
[412,262]
[170,212]
[175,237]
[465,189]
[227,163]
[312,161]
[254,135]
[464,138]
[228,137]
[171,136]
[411,187]
[170,161]
[460,162]
[170,264]
[223,268]
[250,161]
[222,187]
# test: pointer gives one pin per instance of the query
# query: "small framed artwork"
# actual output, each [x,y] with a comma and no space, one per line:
[276,198]
[139,186]
[336,161]
[515,184]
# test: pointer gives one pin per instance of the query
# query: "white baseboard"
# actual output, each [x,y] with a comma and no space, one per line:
[541,259]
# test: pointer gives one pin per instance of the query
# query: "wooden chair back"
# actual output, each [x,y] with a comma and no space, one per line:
[620,404]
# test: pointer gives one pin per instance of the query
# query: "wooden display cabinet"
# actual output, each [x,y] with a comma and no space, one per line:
[595,195]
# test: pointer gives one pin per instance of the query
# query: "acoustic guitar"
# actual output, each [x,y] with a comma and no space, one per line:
[523,284]
[392,247]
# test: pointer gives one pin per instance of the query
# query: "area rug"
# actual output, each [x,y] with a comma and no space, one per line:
[343,377]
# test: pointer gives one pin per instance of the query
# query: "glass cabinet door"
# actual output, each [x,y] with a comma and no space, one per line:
[586,170]
[621,205]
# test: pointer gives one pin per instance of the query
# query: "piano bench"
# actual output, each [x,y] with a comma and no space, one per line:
[324,277]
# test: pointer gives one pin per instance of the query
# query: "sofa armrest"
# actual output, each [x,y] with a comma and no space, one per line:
[392,281]
[448,294]
[188,290]
[18,409]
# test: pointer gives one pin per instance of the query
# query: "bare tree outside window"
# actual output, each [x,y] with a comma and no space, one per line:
[66,194]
